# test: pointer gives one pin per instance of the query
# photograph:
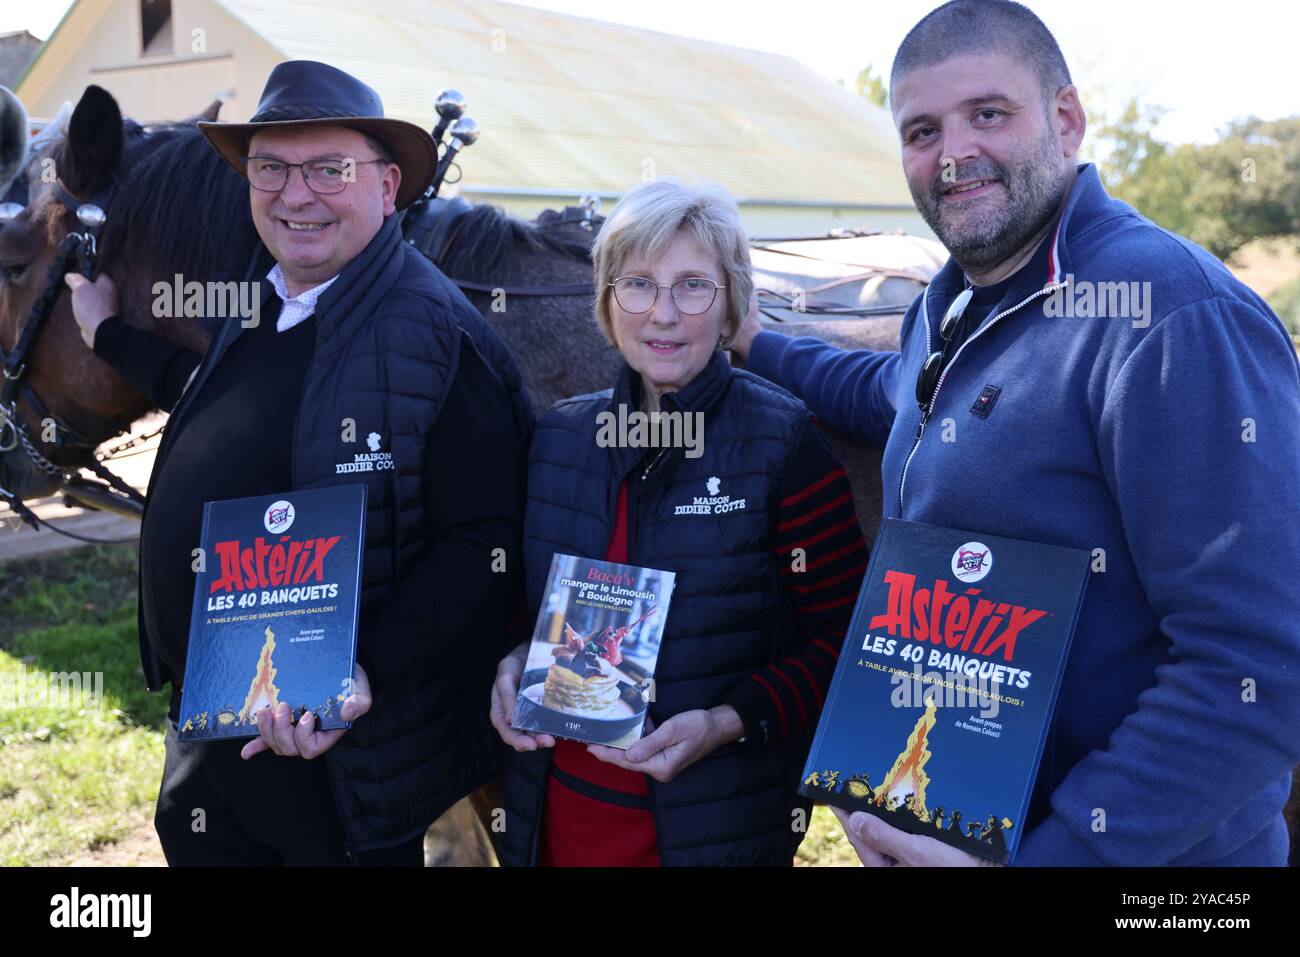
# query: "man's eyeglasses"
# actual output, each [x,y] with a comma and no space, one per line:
[636,294]
[321,176]
[928,379]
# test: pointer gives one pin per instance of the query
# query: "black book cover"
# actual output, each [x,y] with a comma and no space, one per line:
[941,701]
[275,610]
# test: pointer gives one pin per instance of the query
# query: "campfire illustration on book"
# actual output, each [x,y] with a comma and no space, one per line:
[907,777]
[904,790]
[584,678]
[262,692]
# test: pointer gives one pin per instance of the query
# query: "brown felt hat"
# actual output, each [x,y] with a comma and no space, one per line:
[306,93]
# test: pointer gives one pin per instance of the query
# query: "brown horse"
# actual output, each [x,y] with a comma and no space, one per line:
[139,174]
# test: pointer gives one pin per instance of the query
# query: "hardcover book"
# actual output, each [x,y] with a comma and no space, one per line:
[590,670]
[276,600]
[940,704]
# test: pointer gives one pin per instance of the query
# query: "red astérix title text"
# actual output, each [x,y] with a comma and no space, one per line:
[919,615]
[268,566]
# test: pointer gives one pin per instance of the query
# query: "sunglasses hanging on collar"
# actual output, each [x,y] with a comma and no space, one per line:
[928,378]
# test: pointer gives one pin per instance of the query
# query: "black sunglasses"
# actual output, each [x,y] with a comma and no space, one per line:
[928,378]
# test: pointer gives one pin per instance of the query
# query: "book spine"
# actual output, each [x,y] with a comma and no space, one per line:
[197,609]
[551,575]
[356,585]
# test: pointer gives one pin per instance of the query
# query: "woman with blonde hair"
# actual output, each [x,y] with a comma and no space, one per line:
[768,557]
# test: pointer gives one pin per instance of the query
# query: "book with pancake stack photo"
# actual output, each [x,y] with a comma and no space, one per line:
[590,670]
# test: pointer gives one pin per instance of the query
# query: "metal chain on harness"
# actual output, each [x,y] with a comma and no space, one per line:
[82,247]
[118,451]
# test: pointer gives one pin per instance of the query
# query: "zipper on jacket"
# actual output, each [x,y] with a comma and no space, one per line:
[653,462]
[929,409]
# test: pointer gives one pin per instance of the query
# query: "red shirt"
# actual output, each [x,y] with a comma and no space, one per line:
[596,825]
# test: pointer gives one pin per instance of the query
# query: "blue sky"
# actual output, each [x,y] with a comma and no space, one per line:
[1205,60]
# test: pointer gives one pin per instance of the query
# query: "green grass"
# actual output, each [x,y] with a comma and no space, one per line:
[74,774]
[825,845]
[74,779]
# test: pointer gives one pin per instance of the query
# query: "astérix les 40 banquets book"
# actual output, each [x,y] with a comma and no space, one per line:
[275,610]
[940,705]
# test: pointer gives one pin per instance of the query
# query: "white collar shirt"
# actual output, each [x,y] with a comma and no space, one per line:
[295,308]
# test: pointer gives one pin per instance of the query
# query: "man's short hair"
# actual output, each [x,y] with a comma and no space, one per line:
[381,151]
[973,27]
[647,220]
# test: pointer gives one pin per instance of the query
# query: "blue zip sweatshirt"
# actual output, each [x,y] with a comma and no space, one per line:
[1167,443]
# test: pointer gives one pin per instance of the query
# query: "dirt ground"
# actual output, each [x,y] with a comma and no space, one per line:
[140,848]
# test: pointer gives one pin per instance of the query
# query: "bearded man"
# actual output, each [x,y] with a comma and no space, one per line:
[1078,376]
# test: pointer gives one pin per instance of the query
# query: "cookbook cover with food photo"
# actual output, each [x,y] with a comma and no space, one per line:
[590,670]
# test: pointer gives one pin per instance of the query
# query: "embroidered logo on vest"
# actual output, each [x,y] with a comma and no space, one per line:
[712,503]
[376,460]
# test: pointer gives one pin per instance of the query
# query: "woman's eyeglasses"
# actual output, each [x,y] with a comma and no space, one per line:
[636,294]
[928,379]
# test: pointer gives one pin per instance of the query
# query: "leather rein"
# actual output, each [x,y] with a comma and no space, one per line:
[78,251]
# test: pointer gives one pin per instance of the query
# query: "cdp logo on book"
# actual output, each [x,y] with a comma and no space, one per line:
[971,562]
[279,516]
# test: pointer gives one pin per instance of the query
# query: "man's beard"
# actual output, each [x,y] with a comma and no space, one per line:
[1035,186]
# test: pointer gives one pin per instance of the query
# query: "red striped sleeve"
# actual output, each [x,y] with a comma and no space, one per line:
[822,556]
[791,500]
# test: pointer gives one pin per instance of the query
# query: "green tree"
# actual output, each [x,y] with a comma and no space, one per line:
[1286,303]
[1131,143]
[872,86]
[1222,195]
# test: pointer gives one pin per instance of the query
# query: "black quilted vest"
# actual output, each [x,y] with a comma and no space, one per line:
[727,617]
[389,333]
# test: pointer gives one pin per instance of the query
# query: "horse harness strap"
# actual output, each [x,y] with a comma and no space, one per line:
[77,250]
[80,245]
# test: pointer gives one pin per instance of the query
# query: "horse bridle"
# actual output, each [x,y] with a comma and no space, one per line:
[77,250]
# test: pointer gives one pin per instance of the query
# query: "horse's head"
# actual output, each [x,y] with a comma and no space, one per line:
[68,400]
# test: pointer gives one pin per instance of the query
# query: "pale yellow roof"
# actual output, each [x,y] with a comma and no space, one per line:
[581,105]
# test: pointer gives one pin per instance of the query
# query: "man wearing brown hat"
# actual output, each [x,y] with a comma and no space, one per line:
[365,355]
